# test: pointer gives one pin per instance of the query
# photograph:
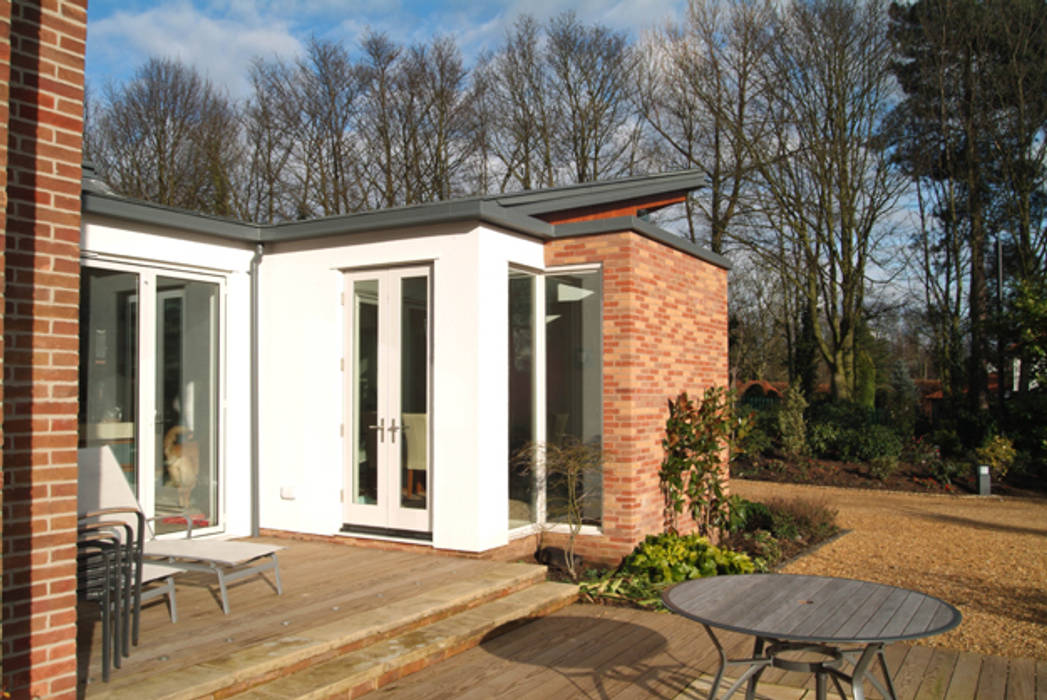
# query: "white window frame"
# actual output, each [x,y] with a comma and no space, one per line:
[538,410]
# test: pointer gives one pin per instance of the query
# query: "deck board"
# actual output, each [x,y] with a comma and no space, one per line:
[582,651]
[321,581]
[531,662]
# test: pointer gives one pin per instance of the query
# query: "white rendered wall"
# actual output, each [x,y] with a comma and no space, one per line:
[169,252]
[302,388]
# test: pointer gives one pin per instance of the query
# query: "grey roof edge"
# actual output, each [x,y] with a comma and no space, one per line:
[431,214]
[644,228]
[596,193]
[142,212]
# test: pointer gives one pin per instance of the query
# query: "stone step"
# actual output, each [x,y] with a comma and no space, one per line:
[224,676]
[358,672]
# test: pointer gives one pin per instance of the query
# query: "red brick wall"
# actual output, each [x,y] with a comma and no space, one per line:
[664,331]
[42,285]
[5,78]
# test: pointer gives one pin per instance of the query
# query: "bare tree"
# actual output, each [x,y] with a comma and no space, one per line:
[270,127]
[825,179]
[519,94]
[166,137]
[326,87]
[591,70]
[701,93]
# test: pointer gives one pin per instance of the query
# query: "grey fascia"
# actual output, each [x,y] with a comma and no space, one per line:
[117,207]
[409,217]
[645,228]
[594,194]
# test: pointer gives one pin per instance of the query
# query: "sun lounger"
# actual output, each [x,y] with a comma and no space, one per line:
[102,485]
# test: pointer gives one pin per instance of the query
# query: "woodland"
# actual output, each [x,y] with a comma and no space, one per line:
[876,172]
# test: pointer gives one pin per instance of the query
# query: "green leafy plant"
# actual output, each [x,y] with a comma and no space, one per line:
[792,425]
[658,562]
[698,438]
[998,453]
[883,467]
[670,558]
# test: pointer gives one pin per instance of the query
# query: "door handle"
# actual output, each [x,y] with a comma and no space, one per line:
[380,428]
[392,430]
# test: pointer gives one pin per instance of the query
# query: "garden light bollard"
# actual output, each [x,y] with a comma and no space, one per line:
[983,480]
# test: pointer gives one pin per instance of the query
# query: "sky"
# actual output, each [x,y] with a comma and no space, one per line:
[220,37]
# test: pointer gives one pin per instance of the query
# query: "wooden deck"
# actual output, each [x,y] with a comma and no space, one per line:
[582,651]
[587,651]
[322,583]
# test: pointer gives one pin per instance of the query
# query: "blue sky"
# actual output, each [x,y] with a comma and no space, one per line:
[220,37]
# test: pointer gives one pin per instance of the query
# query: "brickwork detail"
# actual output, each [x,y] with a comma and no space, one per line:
[41,345]
[664,331]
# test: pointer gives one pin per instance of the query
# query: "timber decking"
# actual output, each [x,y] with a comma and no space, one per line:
[331,592]
[587,651]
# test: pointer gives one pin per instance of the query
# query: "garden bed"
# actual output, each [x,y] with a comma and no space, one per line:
[907,477]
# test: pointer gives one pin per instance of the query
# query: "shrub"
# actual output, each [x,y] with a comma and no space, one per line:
[946,471]
[810,520]
[997,452]
[791,424]
[747,515]
[697,434]
[822,439]
[670,558]
[657,562]
[883,467]
[868,443]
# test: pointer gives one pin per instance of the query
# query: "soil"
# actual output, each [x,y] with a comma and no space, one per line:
[987,555]
[907,477]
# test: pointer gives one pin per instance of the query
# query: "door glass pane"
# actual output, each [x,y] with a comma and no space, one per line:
[109,364]
[574,391]
[186,403]
[522,507]
[365,392]
[414,391]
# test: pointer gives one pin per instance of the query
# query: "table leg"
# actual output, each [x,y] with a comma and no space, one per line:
[820,686]
[750,692]
[860,669]
[755,666]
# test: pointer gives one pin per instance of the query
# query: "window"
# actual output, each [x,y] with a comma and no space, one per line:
[555,384]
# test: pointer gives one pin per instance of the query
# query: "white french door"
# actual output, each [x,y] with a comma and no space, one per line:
[150,388]
[387,379]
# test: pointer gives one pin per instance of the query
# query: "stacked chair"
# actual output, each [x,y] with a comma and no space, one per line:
[119,554]
[110,573]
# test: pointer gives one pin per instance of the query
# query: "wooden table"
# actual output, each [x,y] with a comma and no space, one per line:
[839,620]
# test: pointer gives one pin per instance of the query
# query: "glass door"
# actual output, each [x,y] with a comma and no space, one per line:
[138,324]
[387,390]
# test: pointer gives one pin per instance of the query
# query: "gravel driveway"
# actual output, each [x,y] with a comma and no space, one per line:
[985,555]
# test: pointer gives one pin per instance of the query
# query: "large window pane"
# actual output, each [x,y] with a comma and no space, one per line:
[414,391]
[186,403]
[573,368]
[522,492]
[365,391]
[109,364]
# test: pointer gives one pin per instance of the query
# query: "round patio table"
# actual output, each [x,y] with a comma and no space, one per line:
[833,620]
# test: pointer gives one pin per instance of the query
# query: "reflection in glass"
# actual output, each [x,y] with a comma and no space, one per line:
[109,365]
[414,394]
[186,403]
[365,391]
[522,493]
[573,376]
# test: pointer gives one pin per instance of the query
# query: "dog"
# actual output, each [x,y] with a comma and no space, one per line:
[182,459]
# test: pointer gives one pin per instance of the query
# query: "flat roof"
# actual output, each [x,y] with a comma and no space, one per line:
[517,212]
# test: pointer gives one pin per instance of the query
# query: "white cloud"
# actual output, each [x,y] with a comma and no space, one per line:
[220,48]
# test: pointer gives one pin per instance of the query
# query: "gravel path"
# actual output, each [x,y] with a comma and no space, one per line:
[985,555]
